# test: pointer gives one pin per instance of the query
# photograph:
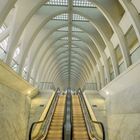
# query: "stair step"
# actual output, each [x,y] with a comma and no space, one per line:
[56,126]
[79,126]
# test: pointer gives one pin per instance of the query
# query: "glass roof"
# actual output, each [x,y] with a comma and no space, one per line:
[76,3]
[73,38]
[61,17]
[2,28]
[74,29]
[64,38]
[75,17]
[64,29]
[82,3]
[57,2]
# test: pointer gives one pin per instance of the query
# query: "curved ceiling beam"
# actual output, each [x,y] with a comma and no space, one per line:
[77,58]
[28,42]
[46,52]
[62,65]
[56,66]
[64,73]
[17,29]
[117,30]
[5,8]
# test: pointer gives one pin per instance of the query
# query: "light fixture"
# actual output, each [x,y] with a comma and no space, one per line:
[107,93]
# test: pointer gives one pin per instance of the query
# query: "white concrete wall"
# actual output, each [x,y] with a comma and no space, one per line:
[36,110]
[94,98]
[11,79]
[15,94]
[123,105]
[14,114]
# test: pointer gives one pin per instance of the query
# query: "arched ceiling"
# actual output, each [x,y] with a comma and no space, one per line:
[67,42]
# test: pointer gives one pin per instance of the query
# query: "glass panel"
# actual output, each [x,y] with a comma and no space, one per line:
[17,51]
[82,3]
[31,80]
[24,74]
[75,39]
[58,2]
[112,76]
[75,29]
[76,3]
[131,38]
[3,46]
[4,43]
[118,54]
[121,67]
[135,56]
[77,17]
[2,28]
[14,65]
[64,38]
[2,54]
[61,17]
[63,29]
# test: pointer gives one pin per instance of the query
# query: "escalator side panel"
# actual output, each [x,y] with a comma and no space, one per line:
[56,127]
[79,126]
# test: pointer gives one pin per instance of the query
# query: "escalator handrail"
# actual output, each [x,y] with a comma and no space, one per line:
[65,110]
[67,120]
[94,122]
[53,102]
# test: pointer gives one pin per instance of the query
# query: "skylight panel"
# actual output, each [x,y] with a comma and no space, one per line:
[77,17]
[82,3]
[58,2]
[2,28]
[61,17]
[64,29]
[75,29]
[75,39]
[65,46]
[64,38]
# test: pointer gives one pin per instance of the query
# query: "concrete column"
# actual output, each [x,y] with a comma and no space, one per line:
[5,7]
[110,47]
[133,15]
[25,9]
[4,34]
[117,30]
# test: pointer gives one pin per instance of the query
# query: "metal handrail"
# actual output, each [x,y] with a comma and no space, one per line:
[67,131]
[48,118]
[90,123]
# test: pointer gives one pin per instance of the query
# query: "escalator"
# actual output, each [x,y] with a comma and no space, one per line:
[56,127]
[79,126]
[68,118]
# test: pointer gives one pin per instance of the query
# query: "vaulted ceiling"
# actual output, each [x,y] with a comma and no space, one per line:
[67,42]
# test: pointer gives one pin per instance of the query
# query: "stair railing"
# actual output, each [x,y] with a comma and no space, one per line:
[90,124]
[45,123]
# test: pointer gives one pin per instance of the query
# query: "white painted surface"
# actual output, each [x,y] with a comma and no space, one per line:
[114,40]
[14,114]
[10,78]
[136,4]
[125,23]
[123,105]
[94,98]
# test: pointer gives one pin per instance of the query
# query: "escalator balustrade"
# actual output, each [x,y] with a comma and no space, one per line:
[56,127]
[79,126]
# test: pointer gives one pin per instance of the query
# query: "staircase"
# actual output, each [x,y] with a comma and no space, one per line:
[56,128]
[79,126]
